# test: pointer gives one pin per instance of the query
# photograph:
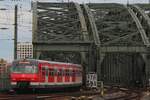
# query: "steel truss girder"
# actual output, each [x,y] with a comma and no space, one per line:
[119,38]
[132,49]
[67,24]
[144,15]
[82,22]
[34,22]
[139,26]
[93,25]
[117,29]
[95,37]
[86,44]
[83,28]
[62,46]
[62,23]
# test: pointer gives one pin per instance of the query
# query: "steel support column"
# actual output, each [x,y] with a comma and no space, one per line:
[96,39]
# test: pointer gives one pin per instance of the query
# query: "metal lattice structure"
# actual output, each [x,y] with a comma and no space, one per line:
[60,34]
[123,42]
[111,39]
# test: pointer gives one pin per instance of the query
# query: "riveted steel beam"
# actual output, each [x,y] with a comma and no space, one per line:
[139,26]
[82,22]
[85,37]
[123,37]
[141,11]
[76,48]
[62,46]
[93,25]
[95,35]
[132,49]
[34,22]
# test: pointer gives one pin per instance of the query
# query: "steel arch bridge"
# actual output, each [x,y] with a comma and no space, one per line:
[110,39]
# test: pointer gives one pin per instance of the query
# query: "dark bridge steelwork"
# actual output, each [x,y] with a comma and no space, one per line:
[139,26]
[110,39]
[59,27]
[145,22]
[121,44]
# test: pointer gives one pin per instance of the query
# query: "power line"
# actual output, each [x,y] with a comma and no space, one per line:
[6,39]
[13,25]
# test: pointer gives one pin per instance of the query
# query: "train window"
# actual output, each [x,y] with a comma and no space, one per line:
[55,71]
[51,72]
[63,72]
[67,72]
[43,69]
[77,73]
[70,72]
[59,72]
[73,72]
[24,67]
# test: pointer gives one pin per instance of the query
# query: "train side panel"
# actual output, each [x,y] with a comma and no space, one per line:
[51,75]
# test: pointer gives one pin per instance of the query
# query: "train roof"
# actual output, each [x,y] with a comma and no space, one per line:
[52,62]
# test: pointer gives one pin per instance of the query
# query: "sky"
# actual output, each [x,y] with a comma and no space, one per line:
[25,21]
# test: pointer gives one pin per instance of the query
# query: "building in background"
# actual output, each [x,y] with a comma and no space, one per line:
[4,75]
[2,62]
[24,50]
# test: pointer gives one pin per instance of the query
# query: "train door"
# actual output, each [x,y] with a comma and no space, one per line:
[66,75]
[73,75]
[42,74]
[45,73]
[51,75]
[59,75]
[70,75]
[78,75]
[63,75]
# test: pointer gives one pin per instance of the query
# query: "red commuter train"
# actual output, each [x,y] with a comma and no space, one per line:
[31,73]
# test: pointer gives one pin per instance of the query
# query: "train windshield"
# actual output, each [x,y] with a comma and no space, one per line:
[24,67]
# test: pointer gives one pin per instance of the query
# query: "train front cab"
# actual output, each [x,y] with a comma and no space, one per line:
[23,72]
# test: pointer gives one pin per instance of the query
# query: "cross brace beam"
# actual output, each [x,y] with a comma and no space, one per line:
[145,16]
[93,25]
[62,46]
[111,49]
[139,26]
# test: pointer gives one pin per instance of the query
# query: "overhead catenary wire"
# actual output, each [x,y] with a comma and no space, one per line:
[7,20]
[21,22]
[6,39]
[13,25]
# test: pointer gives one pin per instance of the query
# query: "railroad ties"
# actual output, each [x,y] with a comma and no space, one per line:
[110,39]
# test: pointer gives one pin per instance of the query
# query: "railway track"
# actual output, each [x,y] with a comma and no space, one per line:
[56,96]
[129,96]
[124,94]
[113,93]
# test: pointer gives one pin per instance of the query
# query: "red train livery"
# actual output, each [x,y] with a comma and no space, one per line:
[45,74]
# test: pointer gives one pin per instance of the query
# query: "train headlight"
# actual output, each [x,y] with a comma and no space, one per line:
[32,79]
[13,79]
